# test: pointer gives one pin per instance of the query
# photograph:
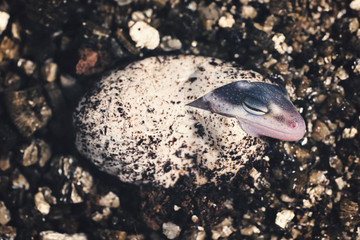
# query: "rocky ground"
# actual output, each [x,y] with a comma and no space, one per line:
[51,52]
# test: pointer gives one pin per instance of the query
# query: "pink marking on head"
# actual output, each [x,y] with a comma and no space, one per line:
[293,125]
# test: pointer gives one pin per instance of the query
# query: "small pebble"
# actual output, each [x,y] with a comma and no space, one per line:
[194,218]
[12,81]
[9,49]
[170,44]
[49,71]
[209,15]
[136,16]
[27,66]
[15,30]
[30,154]
[320,131]
[284,217]
[123,2]
[171,230]
[110,200]
[51,235]
[349,213]
[75,180]
[7,232]
[195,233]
[223,229]
[4,19]
[336,163]
[280,44]
[5,216]
[99,216]
[29,110]
[136,237]
[353,25]
[355,5]
[37,152]
[226,21]
[82,182]
[229,204]
[104,234]
[318,177]
[67,81]
[307,203]
[250,230]
[315,193]
[144,35]
[42,200]
[40,203]
[340,183]
[286,198]
[349,133]
[192,6]
[20,182]
[341,73]
[248,12]
[5,161]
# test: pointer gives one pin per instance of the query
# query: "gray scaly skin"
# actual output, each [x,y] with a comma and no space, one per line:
[262,109]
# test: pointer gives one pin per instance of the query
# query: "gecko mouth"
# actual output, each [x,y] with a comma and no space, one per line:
[295,132]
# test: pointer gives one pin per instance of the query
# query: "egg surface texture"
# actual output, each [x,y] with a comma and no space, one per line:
[136,124]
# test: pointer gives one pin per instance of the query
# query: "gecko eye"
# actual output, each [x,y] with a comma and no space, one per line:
[254,106]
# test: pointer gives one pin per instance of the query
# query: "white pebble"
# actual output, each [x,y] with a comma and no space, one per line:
[226,21]
[349,132]
[99,216]
[192,6]
[250,230]
[51,235]
[171,230]
[49,70]
[353,25]
[5,216]
[40,203]
[170,44]
[194,218]
[355,5]
[341,73]
[280,44]
[318,177]
[110,200]
[20,182]
[144,35]
[340,183]
[123,2]
[4,19]
[248,12]
[284,217]
[138,16]
[223,229]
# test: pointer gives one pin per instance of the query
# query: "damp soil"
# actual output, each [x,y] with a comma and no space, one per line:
[52,52]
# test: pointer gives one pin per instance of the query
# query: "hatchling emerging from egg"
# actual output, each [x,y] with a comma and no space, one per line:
[168,116]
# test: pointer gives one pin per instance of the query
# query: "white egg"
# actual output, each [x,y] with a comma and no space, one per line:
[135,123]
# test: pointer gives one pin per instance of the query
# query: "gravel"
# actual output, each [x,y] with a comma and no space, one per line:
[52,52]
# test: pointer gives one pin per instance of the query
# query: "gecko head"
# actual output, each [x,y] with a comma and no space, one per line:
[268,111]
[262,109]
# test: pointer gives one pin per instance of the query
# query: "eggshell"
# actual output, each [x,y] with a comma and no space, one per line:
[135,124]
